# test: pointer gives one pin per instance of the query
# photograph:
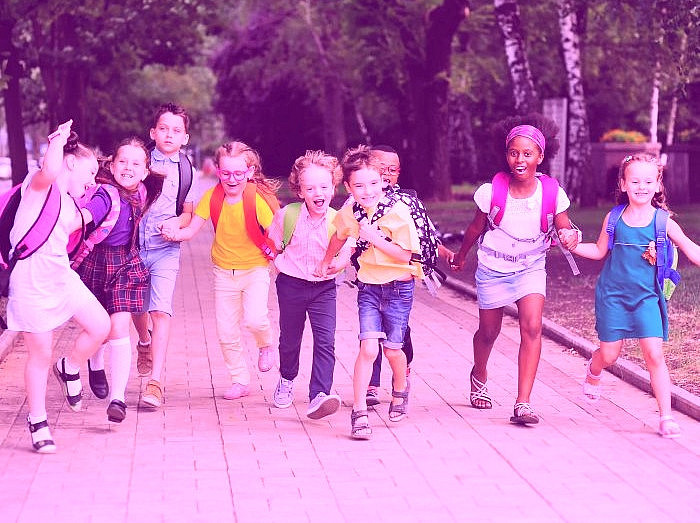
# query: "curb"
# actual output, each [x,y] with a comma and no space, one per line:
[681,400]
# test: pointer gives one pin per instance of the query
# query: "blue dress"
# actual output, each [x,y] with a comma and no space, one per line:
[628,301]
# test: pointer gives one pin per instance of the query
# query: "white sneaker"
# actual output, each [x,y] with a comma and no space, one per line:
[283,397]
[323,405]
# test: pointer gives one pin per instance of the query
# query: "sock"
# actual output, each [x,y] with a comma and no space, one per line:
[71,368]
[36,418]
[97,360]
[120,366]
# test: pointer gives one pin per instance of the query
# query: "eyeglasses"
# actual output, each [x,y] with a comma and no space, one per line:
[393,170]
[237,176]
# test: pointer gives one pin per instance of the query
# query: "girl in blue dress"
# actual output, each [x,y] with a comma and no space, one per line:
[629,302]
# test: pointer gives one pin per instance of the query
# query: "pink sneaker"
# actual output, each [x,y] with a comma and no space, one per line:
[265,359]
[236,391]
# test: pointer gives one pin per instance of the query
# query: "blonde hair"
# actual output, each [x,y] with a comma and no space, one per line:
[235,149]
[319,159]
[659,199]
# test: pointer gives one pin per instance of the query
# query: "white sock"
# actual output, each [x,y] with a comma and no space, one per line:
[97,360]
[36,418]
[120,366]
[70,367]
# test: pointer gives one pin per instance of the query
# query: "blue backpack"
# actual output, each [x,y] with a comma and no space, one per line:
[666,252]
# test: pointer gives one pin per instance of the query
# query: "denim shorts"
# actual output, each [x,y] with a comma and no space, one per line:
[384,311]
[163,264]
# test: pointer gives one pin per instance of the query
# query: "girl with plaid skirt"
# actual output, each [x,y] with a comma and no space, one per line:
[113,269]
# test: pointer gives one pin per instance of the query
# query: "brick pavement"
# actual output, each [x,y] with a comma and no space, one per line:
[202,458]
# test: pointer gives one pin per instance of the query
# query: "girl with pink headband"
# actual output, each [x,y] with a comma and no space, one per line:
[511,252]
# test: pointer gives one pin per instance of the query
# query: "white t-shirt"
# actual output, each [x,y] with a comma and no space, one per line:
[521,219]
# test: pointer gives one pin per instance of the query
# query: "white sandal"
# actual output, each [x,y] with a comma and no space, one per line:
[591,391]
[666,423]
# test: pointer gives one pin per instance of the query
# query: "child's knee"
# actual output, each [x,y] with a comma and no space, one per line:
[369,349]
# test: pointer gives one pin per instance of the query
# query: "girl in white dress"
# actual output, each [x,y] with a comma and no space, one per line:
[44,291]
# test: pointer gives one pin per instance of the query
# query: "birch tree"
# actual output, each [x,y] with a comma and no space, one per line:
[508,18]
[579,141]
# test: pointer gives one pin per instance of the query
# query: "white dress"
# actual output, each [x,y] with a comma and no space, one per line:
[44,291]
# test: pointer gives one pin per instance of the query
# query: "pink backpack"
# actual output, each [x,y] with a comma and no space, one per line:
[499,194]
[550,189]
[102,229]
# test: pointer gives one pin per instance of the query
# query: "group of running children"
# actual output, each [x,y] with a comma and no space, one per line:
[129,272]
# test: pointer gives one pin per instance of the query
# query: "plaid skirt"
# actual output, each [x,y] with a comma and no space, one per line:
[116,276]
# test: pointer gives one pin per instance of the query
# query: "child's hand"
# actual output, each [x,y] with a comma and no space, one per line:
[169,229]
[370,233]
[457,261]
[62,132]
[569,238]
[321,271]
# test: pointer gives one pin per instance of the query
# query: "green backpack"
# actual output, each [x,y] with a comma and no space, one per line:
[291,215]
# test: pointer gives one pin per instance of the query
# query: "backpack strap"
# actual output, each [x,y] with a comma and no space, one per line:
[550,191]
[216,202]
[184,168]
[613,218]
[664,250]
[255,231]
[253,228]
[104,228]
[291,215]
[499,195]
[41,229]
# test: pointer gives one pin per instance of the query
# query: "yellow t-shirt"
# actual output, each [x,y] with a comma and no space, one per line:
[376,266]
[232,248]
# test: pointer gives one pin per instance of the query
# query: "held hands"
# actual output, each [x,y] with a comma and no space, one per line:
[170,228]
[323,269]
[569,238]
[457,261]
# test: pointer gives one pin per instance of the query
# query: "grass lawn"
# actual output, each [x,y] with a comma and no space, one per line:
[570,299]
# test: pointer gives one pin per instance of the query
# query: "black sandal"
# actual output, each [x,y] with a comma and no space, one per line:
[401,409]
[42,446]
[74,401]
[360,430]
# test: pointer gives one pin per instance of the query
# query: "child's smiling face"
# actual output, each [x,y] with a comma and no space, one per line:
[83,171]
[129,166]
[316,188]
[233,173]
[523,156]
[365,185]
[641,182]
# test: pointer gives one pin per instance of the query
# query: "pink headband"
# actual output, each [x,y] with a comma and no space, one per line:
[528,131]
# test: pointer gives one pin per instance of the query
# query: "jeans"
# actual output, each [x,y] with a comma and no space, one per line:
[407,348]
[297,298]
[384,310]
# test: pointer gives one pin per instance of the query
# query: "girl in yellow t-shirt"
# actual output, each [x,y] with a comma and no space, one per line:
[240,257]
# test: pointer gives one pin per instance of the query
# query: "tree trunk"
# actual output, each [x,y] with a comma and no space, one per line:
[654,105]
[13,102]
[524,94]
[443,22]
[333,114]
[579,146]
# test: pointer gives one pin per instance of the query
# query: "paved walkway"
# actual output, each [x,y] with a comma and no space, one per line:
[202,458]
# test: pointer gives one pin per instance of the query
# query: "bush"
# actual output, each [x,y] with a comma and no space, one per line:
[619,135]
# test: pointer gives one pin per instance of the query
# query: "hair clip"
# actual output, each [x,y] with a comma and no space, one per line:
[627,158]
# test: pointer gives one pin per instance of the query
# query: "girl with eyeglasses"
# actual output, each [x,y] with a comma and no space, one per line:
[241,262]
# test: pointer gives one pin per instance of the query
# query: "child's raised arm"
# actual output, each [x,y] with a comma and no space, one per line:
[685,244]
[53,158]
[595,251]
[475,229]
